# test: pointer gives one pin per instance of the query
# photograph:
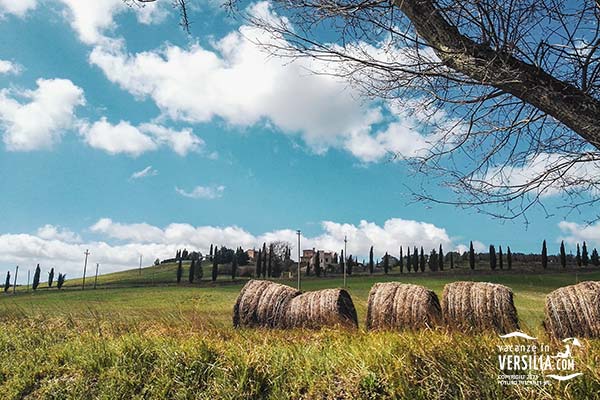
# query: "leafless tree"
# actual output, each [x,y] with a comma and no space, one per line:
[508,89]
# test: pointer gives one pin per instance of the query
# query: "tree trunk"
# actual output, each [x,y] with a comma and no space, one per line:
[563,101]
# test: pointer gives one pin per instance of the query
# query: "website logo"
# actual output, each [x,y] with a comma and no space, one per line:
[532,363]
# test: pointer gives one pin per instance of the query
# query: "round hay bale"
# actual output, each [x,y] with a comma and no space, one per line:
[262,304]
[479,306]
[328,307]
[573,311]
[394,305]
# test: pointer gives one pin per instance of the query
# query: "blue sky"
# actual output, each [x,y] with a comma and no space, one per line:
[124,135]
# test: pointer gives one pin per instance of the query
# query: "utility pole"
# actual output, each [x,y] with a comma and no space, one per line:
[140,264]
[15,284]
[298,233]
[345,256]
[96,278]
[87,253]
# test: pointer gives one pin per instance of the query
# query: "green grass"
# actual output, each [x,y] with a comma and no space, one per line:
[162,340]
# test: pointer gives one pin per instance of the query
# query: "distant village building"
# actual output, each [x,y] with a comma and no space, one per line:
[251,253]
[325,257]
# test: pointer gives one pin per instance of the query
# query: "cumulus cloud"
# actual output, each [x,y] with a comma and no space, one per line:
[39,119]
[144,233]
[52,232]
[203,192]
[9,67]
[125,138]
[17,7]
[387,237]
[123,243]
[93,19]
[148,171]
[573,233]
[115,139]
[237,81]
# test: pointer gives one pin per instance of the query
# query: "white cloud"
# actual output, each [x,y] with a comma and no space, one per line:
[92,19]
[203,192]
[58,247]
[387,237]
[148,171]
[8,67]
[40,122]
[237,81]
[181,142]
[143,233]
[17,7]
[128,139]
[115,139]
[574,233]
[52,232]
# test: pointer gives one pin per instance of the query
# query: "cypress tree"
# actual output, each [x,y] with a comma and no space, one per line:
[270,266]
[434,262]
[441,258]
[408,259]
[318,264]
[60,281]
[563,255]
[36,277]
[7,282]
[401,261]
[422,260]
[179,270]
[192,272]
[508,257]
[371,265]
[471,256]
[578,256]
[211,251]
[492,257]
[264,265]
[415,259]
[341,260]
[386,263]
[544,255]
[594,258]
[451,260]
[234,266]
[258,263]
[50,277]
[349,263]
[585,260]
[500,258]
[215,268]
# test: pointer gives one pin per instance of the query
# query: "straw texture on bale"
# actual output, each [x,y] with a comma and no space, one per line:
[328,307]
[262,304]
[394,305]
[479,306]
[574,311]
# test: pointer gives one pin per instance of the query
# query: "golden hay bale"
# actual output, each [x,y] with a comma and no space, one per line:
[328,307]
[262,304]
[574,311]
[479,306]
[394,305]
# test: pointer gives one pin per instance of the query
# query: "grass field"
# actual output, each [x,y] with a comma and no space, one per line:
[138,337]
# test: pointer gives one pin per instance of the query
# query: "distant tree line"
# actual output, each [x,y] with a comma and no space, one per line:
[11,281]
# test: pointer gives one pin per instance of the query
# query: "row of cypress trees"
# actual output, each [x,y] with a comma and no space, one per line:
[36,279]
